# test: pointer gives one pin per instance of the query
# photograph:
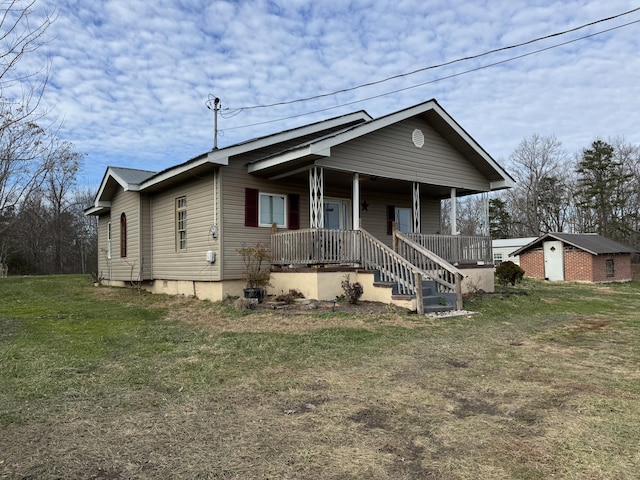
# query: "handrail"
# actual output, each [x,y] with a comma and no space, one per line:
[427,253]
[430,262]
[392,267]
[388,270]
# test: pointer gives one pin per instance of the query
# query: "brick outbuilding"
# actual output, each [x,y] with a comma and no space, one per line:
[574,257]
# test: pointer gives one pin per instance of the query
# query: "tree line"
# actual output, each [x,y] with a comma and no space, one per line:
[42,226]
[596,190]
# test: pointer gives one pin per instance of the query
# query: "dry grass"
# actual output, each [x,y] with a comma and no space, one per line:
[291,318]
[527,389]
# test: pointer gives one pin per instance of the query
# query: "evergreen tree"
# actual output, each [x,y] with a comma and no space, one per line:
[602,190]
[499,219]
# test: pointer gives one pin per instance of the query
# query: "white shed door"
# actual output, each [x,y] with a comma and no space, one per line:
[553,261]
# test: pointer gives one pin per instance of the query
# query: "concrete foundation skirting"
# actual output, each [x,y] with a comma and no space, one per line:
[313,283]
[326,284]
[478,277]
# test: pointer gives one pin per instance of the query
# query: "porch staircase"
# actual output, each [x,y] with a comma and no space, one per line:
[433,301]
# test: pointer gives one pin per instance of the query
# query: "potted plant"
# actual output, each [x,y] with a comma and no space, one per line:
[256,276]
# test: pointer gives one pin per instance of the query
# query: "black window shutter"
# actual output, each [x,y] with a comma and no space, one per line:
[294,211]
[391,217]
[250,207]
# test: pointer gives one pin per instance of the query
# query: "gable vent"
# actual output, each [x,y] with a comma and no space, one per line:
[418,138]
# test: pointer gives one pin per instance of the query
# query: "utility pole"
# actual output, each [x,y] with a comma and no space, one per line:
[216,108]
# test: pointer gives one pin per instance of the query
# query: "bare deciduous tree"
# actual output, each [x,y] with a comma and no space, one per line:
[536,164]
[38,220]
[23,142]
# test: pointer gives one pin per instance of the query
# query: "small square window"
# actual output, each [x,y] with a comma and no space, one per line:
[497,258]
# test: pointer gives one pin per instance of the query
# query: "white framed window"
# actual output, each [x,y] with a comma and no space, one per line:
[337,213]
[497,258]
[181,223]
[109,241]
[404,219]
[272,209]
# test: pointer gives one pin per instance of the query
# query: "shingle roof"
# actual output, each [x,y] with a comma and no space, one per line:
[132,175]
[511,242]
[589,242]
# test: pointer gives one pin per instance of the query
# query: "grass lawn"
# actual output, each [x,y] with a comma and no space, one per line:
[101,383]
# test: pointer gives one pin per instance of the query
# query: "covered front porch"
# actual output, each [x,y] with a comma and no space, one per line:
[410,268]
[374,201]
[350,232]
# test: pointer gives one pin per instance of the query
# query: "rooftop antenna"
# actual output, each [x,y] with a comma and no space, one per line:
[213,103]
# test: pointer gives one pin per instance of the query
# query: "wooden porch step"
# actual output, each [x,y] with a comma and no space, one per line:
[432,300]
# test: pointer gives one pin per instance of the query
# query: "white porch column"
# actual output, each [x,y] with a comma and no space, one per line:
[416,208]
[316,198]
[356,201]
[454,213]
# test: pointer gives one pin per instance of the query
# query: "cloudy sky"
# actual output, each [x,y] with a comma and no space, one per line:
[130,78]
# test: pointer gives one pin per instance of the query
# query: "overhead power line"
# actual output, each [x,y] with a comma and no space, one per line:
[451,62]
[447,77]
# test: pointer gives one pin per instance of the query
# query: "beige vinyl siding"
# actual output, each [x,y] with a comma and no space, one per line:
[191,263]
[103,264]
[128,268]
[145,236]
[390,153]
[374,219]
[234,179]
[430,211]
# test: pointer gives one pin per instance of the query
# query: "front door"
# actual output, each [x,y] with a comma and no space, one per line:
[336,213]
[553,261]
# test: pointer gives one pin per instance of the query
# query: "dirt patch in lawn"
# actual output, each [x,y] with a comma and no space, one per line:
[292,318]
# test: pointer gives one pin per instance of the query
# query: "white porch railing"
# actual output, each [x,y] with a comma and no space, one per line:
[456,249]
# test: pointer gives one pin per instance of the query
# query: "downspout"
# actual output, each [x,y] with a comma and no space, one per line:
[151,277]
[215,202]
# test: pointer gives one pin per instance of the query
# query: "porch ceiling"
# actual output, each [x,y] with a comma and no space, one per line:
[292,168]
[343,180]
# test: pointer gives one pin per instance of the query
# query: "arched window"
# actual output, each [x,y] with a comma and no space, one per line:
[123,235]
[109,241]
